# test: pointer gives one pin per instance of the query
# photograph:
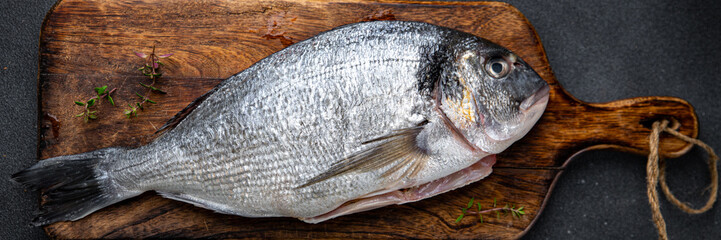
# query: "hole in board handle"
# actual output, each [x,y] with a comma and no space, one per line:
[648,122]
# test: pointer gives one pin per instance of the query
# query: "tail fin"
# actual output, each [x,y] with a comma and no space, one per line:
[73,186]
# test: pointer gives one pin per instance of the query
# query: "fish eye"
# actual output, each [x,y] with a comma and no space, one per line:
[497,67]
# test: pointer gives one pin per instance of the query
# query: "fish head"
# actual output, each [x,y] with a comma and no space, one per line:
[492,96]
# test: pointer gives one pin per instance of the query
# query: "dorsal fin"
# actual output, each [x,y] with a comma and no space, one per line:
[188,109]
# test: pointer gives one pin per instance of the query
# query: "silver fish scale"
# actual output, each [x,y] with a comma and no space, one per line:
[288,118]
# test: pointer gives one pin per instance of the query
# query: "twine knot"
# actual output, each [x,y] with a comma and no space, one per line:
[655,169]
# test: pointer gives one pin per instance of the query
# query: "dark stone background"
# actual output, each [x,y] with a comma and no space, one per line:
[600,51]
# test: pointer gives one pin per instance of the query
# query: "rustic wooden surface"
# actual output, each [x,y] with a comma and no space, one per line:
[85,44]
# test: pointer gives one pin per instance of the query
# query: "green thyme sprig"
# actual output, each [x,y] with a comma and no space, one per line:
[505,210]
[101,93]
[133,111]
[151,69]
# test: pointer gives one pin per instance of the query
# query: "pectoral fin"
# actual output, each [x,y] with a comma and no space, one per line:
[399,149]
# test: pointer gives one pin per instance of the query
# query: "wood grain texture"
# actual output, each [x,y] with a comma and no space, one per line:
[89,43]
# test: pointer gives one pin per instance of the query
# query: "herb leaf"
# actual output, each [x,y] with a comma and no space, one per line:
[152,88]
[101,90]
[141,55]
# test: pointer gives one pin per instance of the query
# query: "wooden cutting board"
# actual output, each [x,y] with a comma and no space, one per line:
[90,43]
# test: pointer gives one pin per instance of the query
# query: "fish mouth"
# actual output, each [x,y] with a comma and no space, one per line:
[538,97]
[530,110]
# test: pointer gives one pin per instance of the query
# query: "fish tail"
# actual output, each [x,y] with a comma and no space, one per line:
[73,186]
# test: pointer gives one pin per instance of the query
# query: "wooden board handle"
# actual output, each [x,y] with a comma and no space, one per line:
[627,123]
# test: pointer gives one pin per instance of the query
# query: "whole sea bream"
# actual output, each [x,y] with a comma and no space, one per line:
[359,117]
